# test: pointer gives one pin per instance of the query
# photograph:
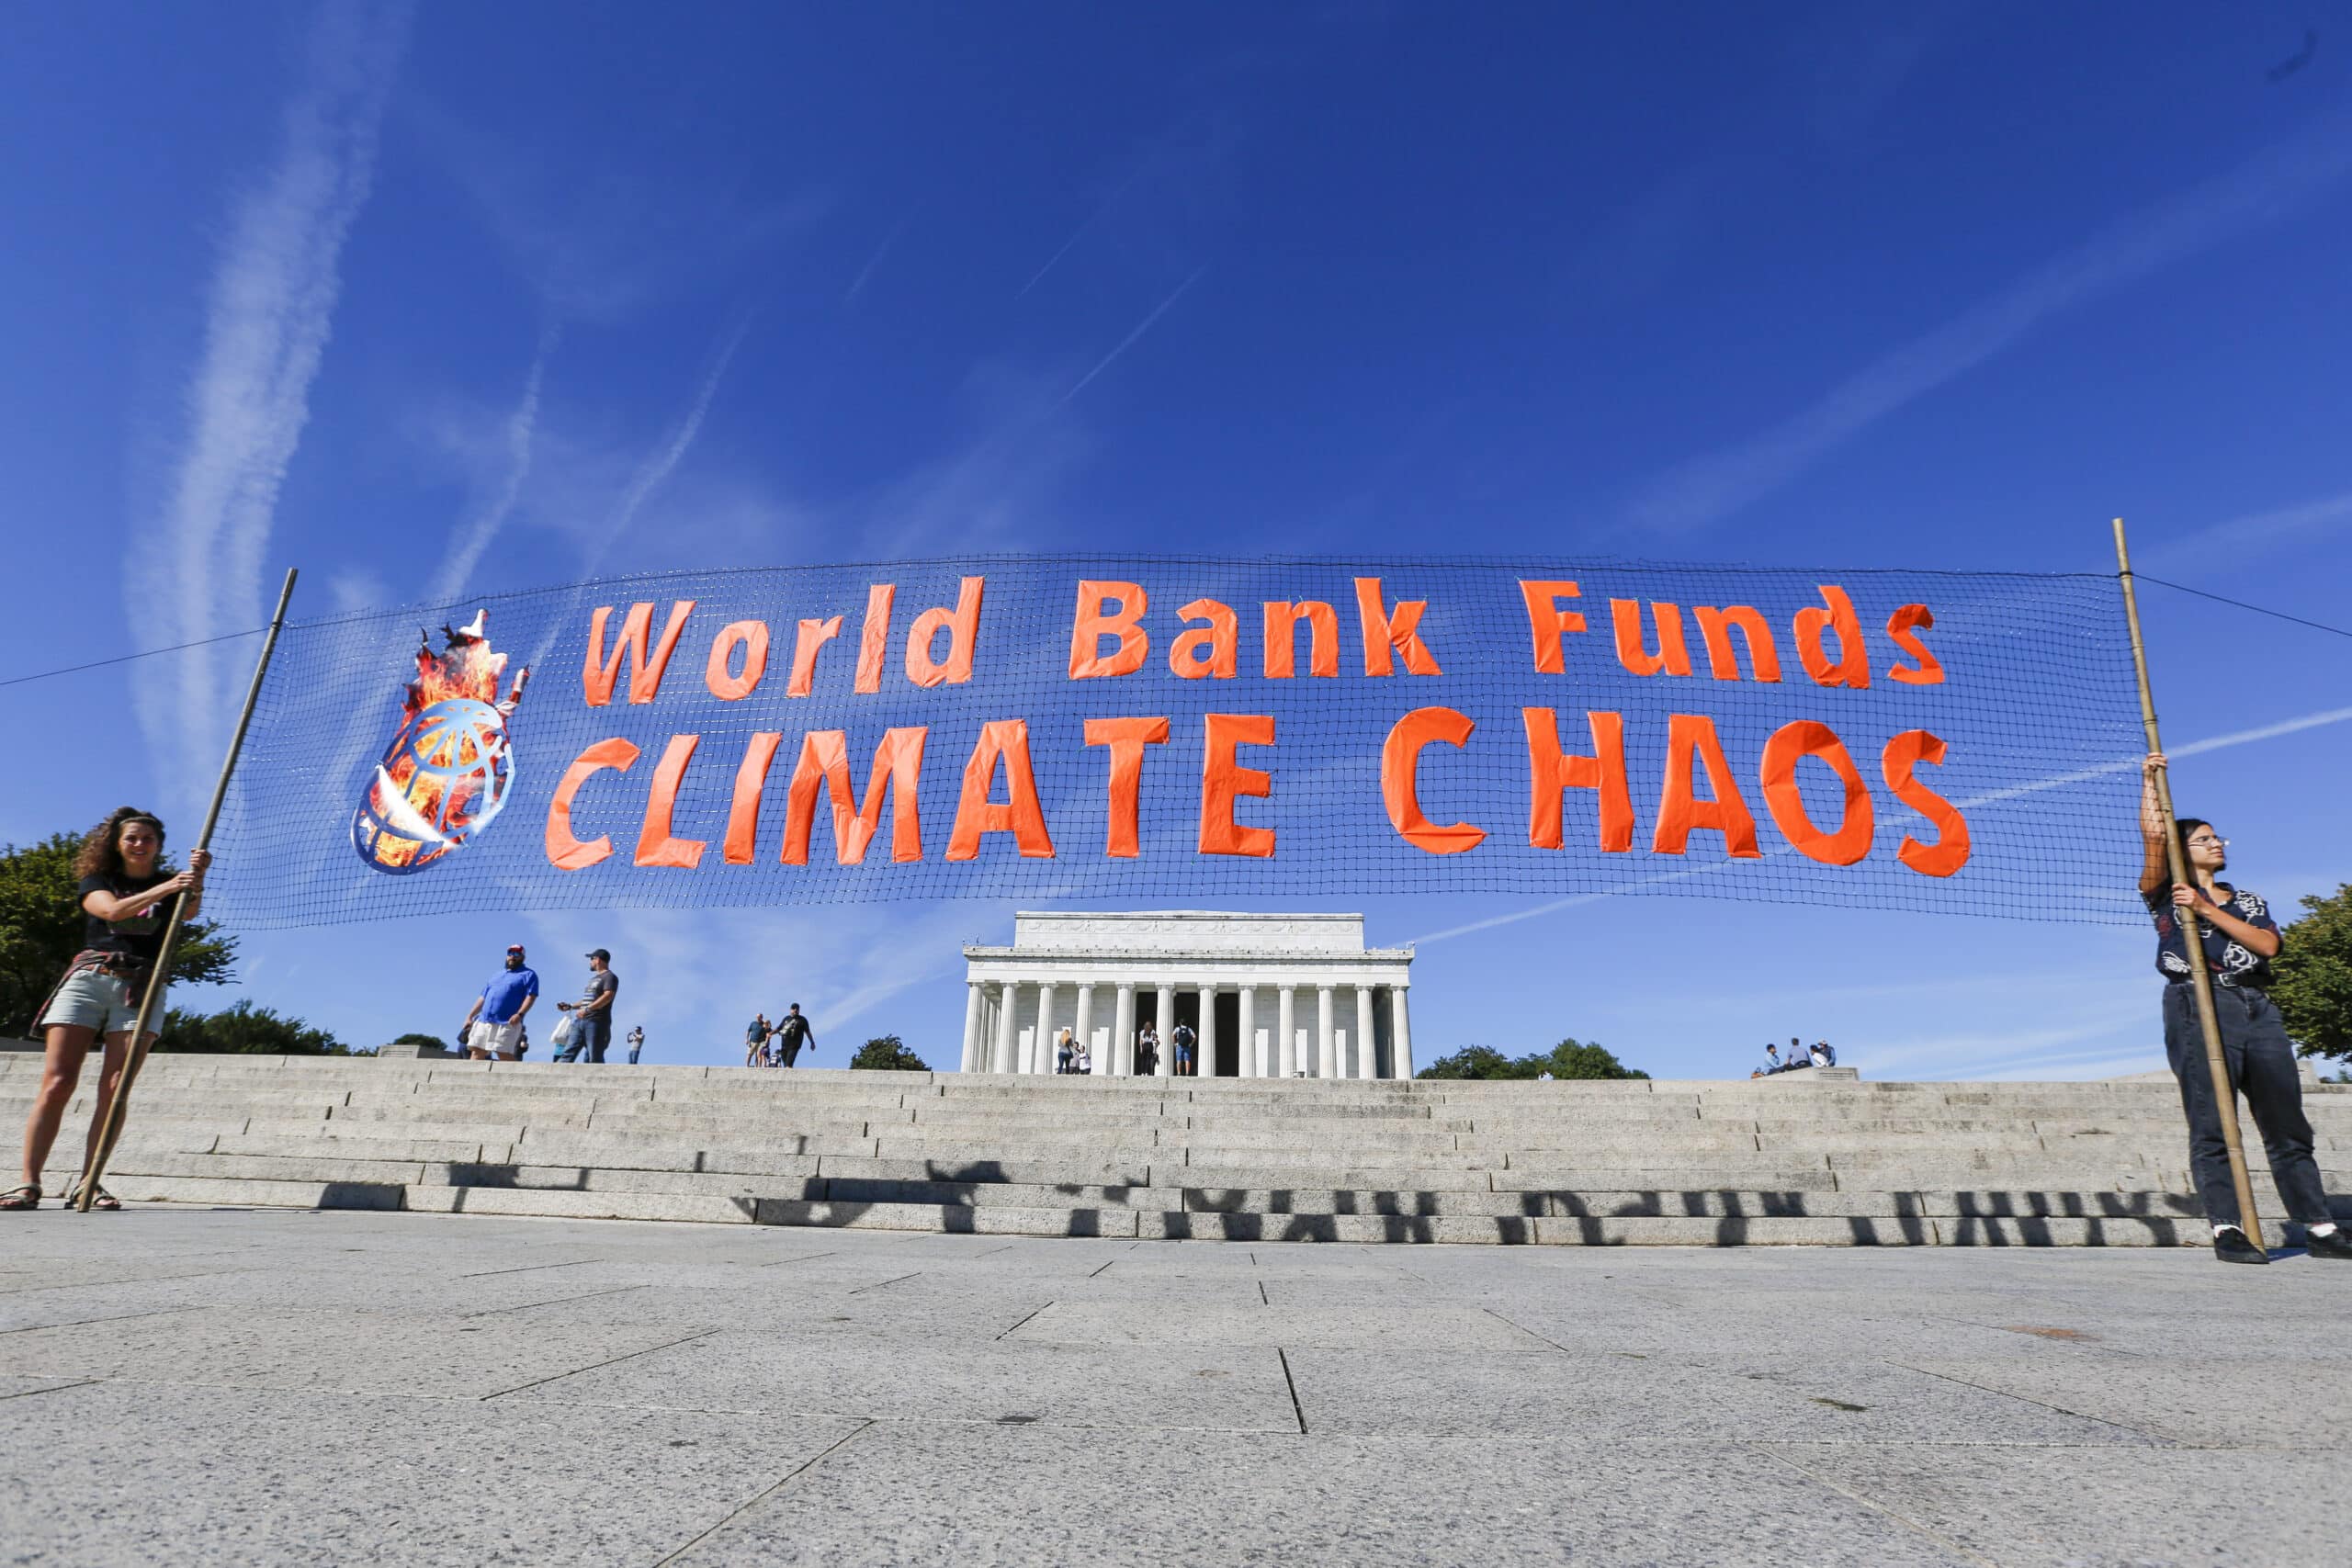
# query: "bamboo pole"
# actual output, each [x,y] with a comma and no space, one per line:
[2225,1094]
[158,979]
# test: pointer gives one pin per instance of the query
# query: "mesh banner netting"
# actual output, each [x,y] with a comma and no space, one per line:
[1949,742]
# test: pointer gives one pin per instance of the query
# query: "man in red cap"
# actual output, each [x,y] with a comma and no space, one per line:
[499,1010]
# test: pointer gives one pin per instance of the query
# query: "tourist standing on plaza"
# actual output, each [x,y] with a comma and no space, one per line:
[2240,940]
[1147,1051]
[1183,1039]
[1065,1053]
[792,1032]
[755,1041]
[499,1010]
[122,892]
[636,1043]
[591,1015]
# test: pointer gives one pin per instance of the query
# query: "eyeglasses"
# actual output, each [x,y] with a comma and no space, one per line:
[2202,839]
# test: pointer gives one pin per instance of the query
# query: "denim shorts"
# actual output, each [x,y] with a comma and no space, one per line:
[94,999]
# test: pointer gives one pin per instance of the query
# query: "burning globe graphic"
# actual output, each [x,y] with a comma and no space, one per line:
[450,765]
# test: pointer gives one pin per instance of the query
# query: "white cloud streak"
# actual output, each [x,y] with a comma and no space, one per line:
[2266,188]
[2121,764]
[475,535]
[873,260]
[268,313]
[2232,542]
[1128,342]
[666,457]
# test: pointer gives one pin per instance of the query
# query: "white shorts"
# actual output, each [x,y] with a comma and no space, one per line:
[498,1039]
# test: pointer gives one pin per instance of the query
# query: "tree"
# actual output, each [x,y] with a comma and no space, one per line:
[2311,976]
[433,1040]
[1570,1058]
[887,1054]
[41,930]
[1480,1062]
[245,1030]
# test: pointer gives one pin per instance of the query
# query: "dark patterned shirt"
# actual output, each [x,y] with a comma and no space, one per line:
[2230,963]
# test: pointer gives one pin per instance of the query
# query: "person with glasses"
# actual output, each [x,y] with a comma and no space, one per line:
[2240,939]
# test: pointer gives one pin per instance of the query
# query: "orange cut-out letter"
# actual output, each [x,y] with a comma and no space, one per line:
[1019,814]
[1224,780]
[1397,629]
[1213,649]
[566,853]
[1691,742]
[1791,744]
[1949,852]
[824,764]
[753,635]
[656,845]
[598,675]
[1551,772]
[874,637]
[1904,626]
[1126,738]
[814,634]
[741,843]
[1094,620]
[1853,665]
[962,625]
[1549,622]
[1673,655]
[1282,639]
[1716,627]
[1400,758]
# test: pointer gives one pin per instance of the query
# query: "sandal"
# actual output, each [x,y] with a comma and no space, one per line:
[25,1197]
[99,1199]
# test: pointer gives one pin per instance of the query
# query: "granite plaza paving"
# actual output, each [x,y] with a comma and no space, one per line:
[189,1386]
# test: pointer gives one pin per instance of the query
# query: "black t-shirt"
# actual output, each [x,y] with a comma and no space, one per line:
[597,985]
[142,936]
[791,1029]
[2230,963]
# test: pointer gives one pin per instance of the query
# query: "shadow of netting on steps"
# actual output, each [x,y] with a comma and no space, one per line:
[1200,1224]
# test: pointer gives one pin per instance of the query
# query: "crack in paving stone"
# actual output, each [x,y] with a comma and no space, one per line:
[784,1481]
[2157,1438]
[53,1388]
[1877,1507]
[899,1281]
[1007,1334]
[530,1267]
[556,1301]
[1290,1382]
[611,1361]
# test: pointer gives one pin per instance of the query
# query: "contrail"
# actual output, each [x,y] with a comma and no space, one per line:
[873,260]
[474,538]
[2122,765]
[269,314]
[658,468]
[2269,185]
[1129,341]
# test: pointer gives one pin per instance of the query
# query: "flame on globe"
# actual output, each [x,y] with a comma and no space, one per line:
[451,763]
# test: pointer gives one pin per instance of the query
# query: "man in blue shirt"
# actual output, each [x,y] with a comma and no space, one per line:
[500,1009]
[2240,939]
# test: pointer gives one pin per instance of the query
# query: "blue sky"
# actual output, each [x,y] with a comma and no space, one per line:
[466,298]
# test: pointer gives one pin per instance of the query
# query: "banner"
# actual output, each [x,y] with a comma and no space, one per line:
[1175,731]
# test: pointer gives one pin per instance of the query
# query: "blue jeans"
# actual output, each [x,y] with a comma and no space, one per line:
[2261,1062]
[592,1034]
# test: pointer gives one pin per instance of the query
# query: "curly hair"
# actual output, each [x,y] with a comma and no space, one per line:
[101,852]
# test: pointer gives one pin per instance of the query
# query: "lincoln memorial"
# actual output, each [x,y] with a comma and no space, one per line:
[1269,996]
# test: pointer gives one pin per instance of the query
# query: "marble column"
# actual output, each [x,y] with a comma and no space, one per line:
[1008,1039]
[1205,1048]
[1251,1068]
[1367,1045]
[1042,1060]
[975,1007]
[1123,1034]
[1325,1057]
[1084,1033]
[1164,1023]
[1400,1032]
[1286,1033]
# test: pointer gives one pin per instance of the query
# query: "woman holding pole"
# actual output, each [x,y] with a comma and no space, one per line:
[123,891]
